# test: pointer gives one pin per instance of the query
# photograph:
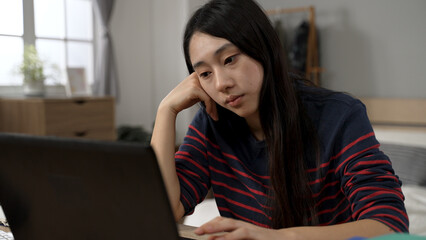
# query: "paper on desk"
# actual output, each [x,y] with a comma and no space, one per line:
[2,217]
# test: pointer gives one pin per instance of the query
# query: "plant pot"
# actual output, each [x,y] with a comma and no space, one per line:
[34,89]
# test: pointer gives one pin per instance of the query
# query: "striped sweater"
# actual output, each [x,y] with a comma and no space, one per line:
[356,181]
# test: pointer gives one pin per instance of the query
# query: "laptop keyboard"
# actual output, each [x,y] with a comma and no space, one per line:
[6,235]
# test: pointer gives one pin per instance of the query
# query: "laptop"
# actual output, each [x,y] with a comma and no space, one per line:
[55,188]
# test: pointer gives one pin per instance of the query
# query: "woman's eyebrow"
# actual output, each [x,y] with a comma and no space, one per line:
[217,52]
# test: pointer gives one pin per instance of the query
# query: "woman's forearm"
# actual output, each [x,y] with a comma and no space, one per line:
[163,143]
[361,228]
[229,228]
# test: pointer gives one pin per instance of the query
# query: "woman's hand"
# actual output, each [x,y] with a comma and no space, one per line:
[187,93]
[236,229]
[227,229]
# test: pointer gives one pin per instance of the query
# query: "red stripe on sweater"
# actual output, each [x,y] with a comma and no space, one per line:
[239,191]
[204,137]
[243,174]
[222,172]
[250,208]
[186,200]
[194,147]
[193,174]
[354,155]
[321,179]
[197,197]
[331,209]
[194,163]
[352,144]
[242,164]
[367,188]
[226,154]
[388,224]
[384,207]
[338,214]
[371,162]
[234,177]
[375,194]
[196,139]
[366,206]
[328,198]
[391,217]
[183,153]
[232,188]
[360,172]
[324,187]
[342,151]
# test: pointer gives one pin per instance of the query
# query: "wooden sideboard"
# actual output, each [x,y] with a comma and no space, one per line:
[85,117]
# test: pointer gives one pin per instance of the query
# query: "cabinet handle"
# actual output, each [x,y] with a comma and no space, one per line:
[80,133]
[80,101]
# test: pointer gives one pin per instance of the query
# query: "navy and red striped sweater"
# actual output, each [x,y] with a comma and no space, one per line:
[356,181]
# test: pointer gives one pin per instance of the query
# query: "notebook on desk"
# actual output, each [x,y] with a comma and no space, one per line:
[53,188]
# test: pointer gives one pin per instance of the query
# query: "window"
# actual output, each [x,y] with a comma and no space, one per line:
[62,31]
[11,41]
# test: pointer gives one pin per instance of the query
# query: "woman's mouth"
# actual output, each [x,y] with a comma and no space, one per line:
[234,100]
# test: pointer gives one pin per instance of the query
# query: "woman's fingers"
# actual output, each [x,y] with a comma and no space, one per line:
[187,93]
[184,95]
[219,224]
[204,97]
[231,229]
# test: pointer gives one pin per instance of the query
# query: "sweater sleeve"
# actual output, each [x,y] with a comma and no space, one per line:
[367,177]
[191,164]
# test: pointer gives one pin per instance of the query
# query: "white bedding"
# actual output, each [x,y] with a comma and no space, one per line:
[415,203]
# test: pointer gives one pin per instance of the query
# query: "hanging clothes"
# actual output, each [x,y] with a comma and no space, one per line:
[282,35]
[299,47]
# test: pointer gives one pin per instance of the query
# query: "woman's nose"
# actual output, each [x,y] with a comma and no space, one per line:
[223,81]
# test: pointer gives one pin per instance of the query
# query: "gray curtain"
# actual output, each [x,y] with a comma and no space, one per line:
[106,80]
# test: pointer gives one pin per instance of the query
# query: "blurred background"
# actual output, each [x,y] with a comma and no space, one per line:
[373,49]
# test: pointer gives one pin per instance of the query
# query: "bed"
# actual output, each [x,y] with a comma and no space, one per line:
[400,127]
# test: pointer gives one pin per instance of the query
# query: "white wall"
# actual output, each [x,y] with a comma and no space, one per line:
[168,58]
[147,37]
[368,48]
[131,31]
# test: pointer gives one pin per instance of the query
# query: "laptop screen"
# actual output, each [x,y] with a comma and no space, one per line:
[52,188]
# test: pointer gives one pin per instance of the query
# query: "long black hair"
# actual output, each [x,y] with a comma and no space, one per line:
[289,135]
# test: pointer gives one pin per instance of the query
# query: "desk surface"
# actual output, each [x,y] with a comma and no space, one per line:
[188,232]
[184,231]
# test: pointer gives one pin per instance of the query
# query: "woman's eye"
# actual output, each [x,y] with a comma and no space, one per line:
[204,74]
[230,59]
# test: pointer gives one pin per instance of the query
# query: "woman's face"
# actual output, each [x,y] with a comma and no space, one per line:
[231,78]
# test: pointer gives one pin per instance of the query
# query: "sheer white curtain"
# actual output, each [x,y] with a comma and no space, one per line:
[106,79]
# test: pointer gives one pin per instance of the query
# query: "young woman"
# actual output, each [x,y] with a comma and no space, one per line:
[285,160]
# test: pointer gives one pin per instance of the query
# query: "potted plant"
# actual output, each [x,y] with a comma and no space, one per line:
[32,70]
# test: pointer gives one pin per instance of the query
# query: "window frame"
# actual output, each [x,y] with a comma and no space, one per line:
[29,37]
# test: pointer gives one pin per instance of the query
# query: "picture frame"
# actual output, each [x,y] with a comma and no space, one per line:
[77,83]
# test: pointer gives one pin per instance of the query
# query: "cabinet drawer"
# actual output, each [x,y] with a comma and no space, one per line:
[78,116]
[100,134]
[86,117]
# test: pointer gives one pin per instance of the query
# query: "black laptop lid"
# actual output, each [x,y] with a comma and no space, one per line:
[53,188]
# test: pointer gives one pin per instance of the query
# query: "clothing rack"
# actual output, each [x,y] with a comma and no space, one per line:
[312,63]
